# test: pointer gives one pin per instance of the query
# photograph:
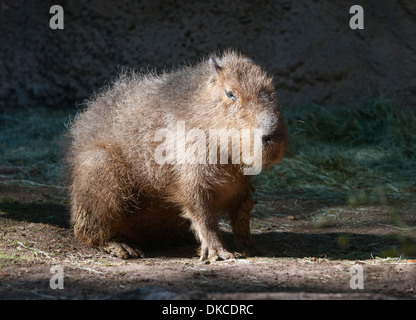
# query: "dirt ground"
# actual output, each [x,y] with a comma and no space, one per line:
[312,247]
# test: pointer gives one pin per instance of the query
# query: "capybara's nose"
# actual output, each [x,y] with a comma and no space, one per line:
[266,139]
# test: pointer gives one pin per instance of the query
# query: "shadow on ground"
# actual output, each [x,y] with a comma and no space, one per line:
[54,214]
[320,244]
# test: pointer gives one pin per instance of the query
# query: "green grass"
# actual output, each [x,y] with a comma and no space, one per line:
[363,153]
[31,141]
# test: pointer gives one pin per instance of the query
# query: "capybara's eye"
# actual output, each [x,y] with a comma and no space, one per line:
[230,95]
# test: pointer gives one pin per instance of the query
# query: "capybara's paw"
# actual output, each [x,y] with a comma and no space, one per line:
[246,248]
[251,251]
[243,243]
[215,254]
[122,250]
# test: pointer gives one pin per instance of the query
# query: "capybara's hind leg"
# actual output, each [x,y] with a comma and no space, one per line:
[98,202]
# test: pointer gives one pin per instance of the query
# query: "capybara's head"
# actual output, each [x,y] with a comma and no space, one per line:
[248,97]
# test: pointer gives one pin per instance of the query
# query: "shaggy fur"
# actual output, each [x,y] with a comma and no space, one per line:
[120,195]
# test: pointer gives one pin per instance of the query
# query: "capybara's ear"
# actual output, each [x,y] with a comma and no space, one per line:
[214,65]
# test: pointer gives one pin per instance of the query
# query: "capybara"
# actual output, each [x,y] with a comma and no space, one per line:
[132,181]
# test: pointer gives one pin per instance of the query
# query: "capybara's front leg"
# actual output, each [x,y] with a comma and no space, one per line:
[206,228]
[240,223]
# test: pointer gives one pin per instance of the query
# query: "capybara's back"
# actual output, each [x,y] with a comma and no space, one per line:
[150,157]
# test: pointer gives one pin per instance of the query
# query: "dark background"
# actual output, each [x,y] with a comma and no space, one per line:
[307,45]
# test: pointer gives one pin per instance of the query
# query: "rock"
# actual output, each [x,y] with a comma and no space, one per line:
[308,45]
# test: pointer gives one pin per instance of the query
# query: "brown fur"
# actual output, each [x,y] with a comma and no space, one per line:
[119,194]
